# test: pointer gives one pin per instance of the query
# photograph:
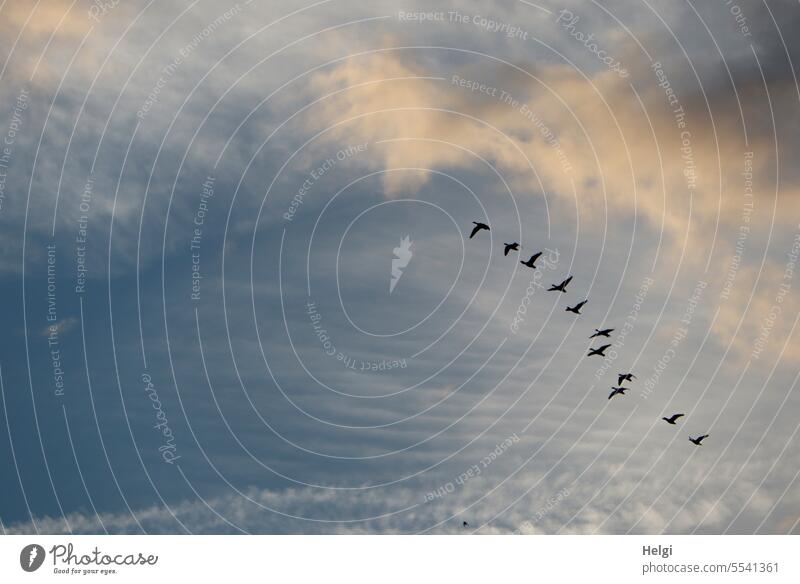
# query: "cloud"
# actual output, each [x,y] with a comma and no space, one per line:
[60,327]
[614,147]
[626,148]
[610,500]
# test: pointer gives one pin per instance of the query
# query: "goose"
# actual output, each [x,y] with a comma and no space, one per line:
[577,308]
[599,351]
[530,263]
[672,418]
[562,287]
[478,227]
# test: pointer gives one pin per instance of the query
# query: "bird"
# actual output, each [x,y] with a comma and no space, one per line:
[478,227]
[530,263]
[601,333]
[625,377]
[562,287]
[672,418]
[464,524]
[577,308]
[598,351]
[510,246]
[698,440]
[617,390]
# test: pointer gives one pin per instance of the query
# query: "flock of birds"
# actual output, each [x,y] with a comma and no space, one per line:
[562,287]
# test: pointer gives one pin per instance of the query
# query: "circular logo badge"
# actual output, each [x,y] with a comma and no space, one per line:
[31,557]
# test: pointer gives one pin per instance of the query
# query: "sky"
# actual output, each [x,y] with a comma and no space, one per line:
[239,292]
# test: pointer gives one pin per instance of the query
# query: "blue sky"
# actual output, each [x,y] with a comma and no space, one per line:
[296,146]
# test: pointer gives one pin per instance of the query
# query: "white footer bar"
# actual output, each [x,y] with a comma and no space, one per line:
[381,559]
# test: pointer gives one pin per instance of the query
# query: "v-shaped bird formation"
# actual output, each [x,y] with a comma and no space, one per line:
[599,351]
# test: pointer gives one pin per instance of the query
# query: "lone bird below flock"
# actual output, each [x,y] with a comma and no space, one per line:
[577,308]
[697,441]
[562,287]
[478,227]
[464,524]
[617,390]
[672,418]
[510,246]
[530,263]
[598,351]
[625,377]
[601,333]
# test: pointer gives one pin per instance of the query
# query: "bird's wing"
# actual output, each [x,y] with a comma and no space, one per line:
[567,281]
[676,416]
[474,231]
[580,304]
[604,347]
[536,256]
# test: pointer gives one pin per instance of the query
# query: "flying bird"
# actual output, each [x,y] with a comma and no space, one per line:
[698,440]
[464,524]
[617,390]
[625,377]
[562,287]
[599,351]
[601,333]
[510,246]
[478,227]
[530,263]
[577,308]
[672,418]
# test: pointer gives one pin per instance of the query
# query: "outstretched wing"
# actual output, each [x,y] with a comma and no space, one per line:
[565,282]
[535,257]
[474,230]
[581,304]
[603,348]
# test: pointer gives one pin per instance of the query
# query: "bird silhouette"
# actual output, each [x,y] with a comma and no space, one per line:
[562,287]
[672,418]
[478,227]
[464,524]
[577,308]
[697,441]
[532,261]
[510,246]
[601,333]
[599,351]
[625,377]
[617,390]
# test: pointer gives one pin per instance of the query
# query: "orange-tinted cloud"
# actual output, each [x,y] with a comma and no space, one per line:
[675,164]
